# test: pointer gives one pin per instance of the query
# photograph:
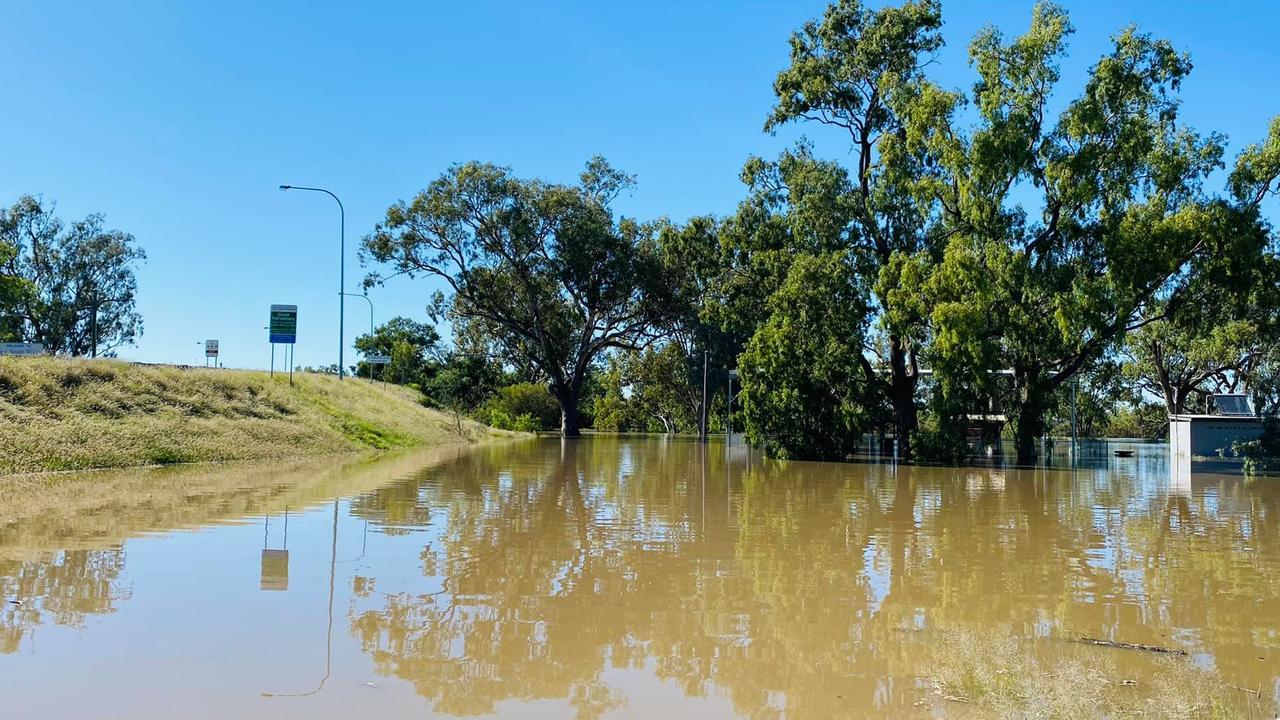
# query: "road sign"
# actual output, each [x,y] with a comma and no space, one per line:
[378,359]
[211,348]
[21,348]
[284,324]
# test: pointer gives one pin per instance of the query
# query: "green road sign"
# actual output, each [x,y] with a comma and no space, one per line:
[284,324]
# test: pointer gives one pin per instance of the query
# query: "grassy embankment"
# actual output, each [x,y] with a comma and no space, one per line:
[58,414]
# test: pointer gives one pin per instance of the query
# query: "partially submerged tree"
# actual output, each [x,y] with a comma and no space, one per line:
[804,391]
[862,70]
[1120,217]
[1215,327]
[78,295]
[545,271]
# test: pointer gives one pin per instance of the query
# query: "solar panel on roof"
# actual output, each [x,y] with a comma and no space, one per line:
[1232,405]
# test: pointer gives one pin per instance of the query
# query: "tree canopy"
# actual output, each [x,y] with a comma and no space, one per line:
[413,347]
[70,287]
[545,272]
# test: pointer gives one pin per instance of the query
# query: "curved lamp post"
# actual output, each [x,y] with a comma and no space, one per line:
[366,299]
[342,261]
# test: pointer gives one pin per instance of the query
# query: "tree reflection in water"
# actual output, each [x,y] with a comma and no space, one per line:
[61,588]
[576,572]
[793,589]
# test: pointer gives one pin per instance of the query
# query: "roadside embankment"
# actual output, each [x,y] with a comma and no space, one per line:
[62,414]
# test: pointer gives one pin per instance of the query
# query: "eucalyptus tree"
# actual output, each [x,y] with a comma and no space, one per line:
[802,395]
[14,290]
[414,348]
[78,288]
[1070,233]
[1217,328]
[862,70]
[545,272]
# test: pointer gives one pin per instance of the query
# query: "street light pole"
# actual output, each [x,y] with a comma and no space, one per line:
[366,299]
[98,302]
[342,263]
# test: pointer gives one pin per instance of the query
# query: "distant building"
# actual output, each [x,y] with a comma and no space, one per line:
[1231,420]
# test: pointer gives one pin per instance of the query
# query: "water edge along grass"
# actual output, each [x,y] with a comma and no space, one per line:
[72,414]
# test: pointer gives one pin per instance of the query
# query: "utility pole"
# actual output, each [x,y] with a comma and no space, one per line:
[703,431]
[1075,387]
[728,413]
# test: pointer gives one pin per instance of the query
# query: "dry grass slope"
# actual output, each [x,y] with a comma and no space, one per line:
[59,414]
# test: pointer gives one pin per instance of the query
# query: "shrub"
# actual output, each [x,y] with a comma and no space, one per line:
[523,399]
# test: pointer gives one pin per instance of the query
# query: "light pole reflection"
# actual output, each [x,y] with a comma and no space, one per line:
[328,640]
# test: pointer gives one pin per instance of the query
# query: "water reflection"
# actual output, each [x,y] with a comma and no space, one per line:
[586,574]
[795,589]
[69,584]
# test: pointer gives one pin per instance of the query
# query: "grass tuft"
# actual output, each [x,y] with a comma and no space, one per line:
[990,676]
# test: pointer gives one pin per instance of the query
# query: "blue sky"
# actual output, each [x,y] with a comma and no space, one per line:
[179,121]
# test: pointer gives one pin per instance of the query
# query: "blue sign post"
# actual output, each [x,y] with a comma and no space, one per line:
[283,329]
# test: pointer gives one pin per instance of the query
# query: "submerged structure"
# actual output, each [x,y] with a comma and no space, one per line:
[1230,420]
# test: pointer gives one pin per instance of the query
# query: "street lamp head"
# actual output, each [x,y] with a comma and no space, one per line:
[286,187]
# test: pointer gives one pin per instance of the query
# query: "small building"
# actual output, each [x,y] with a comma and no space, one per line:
[1230,420]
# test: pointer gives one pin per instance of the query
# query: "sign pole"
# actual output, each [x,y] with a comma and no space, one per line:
[273,359]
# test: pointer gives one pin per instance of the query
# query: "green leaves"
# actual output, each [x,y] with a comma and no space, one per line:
[805,384]
[543,273]
[66,285]
[842,66]
[1257,168]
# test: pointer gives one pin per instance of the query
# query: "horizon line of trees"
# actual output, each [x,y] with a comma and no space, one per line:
[1014,252]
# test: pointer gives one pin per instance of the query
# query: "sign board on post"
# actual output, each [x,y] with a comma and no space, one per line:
[284,324]
[378,359]
[21,348]
[211,348]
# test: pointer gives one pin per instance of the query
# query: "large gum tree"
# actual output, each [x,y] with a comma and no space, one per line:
[545,273]
[862,72]
[1070,232]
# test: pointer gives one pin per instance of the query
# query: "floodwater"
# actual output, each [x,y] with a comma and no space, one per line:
[607,577]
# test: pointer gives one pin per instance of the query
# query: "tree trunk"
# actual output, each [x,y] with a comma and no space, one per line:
[569,420]
[1029,424]
[902,393]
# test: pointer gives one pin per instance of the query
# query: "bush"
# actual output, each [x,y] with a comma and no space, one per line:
[524,406]
[1263,454]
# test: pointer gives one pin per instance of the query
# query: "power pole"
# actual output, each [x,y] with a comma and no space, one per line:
[703,431]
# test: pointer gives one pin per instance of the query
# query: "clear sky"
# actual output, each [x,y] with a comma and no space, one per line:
[179,120]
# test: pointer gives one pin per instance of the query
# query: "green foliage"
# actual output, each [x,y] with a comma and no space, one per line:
[543,273]
[413,347]
[66,285]
[14,291]
[1263,454]
[659,387]
[464,382]
[1121,223]
[1145,420]
[861,70]
[1258,168]
[523,406]
[804,389]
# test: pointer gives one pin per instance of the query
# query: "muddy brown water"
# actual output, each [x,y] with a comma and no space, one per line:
[607,577]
